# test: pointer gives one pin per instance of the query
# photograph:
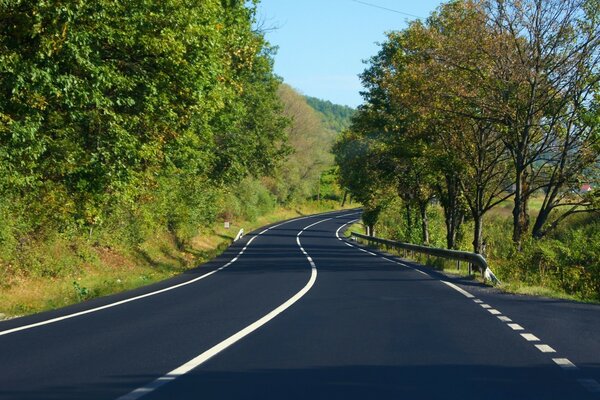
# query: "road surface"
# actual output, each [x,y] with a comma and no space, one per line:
[295,312]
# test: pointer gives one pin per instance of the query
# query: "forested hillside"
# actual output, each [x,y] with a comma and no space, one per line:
[336,117]
[128,129]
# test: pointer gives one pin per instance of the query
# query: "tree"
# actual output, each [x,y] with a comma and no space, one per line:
[546,66]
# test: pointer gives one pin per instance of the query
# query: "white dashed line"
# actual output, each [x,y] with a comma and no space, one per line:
[590,384]
[564,363]
[530,337]
[544,348]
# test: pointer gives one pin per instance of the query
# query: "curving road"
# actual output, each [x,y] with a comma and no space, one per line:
[295,312]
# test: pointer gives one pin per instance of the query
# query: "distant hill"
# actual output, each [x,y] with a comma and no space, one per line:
[334,116]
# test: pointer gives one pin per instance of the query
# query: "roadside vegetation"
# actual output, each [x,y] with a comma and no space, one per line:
[130,132]
[480,131]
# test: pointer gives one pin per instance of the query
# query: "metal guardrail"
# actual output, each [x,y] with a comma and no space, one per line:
[472,258]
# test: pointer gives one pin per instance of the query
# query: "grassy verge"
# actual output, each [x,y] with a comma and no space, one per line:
[92,270]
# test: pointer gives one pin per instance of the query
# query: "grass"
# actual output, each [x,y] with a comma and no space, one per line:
[91,271]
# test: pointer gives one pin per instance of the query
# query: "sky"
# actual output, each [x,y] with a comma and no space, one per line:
[322,43]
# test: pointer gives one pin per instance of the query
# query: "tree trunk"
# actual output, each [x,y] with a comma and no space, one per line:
[408,223]
[477,233]
[345,197]
[541,219]
[520,209]
[424,222]
[452,212]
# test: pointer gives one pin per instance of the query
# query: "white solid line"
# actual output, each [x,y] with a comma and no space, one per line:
[504,318]
[544,348]
[348,244]
[202,358]
[485,306]
[516,327]
[530,337]
[118,303]
[337,232]
[494,311]
[459,290]
[590,384]
[564,363]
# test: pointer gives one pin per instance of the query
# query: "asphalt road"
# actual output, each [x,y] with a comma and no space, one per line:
[302,314]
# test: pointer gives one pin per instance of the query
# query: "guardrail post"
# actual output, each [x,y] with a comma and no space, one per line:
[458,265]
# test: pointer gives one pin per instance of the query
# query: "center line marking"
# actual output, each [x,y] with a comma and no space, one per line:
[504,318]
[213,351]
[494,311]
[516,327]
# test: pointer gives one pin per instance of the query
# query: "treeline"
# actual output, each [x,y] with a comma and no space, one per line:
[336,117]
[486,101]
[122,119]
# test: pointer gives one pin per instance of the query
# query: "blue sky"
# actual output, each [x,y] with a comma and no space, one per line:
[322,42]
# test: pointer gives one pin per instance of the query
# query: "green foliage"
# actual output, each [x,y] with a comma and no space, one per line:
[334,116]
[310,142]
[122,120]
[248,200]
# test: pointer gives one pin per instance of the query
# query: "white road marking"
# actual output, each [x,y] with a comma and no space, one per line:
[544,348]
[121,302]
[459,290]
[590,384]
[564,363]
[337,232]
[530,337]
[213,351]
[516,327]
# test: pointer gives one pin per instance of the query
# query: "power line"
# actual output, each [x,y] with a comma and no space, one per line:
[386,9]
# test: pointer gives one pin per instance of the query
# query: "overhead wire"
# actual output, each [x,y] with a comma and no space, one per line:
[386,9]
